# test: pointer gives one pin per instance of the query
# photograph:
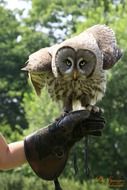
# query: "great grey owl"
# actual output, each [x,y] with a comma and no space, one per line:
[75,69]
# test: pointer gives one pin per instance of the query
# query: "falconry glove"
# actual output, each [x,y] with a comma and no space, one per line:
[47,149]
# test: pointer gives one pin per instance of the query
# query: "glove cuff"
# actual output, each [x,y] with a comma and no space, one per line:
[46,165]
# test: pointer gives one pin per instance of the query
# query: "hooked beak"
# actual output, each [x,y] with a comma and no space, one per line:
[75,75]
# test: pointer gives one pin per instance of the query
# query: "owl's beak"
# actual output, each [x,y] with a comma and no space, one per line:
[75,75]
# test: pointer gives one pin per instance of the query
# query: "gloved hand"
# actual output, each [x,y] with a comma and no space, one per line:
[47,149]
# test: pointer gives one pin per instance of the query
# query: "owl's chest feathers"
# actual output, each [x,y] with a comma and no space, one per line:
[60,88]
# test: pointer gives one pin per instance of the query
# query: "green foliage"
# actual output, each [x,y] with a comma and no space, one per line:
[12,182]
[11,112]
[15,46]
[40,111]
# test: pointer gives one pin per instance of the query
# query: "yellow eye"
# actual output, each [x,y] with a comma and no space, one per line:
[68,62]
[82,63]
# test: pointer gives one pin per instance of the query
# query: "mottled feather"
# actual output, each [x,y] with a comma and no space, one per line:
[106,40]
[39,67]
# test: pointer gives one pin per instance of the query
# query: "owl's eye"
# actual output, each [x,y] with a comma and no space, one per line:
[68,62]
[82,63]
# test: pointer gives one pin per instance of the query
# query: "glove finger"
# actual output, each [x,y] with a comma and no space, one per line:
[95,126]
[73,119]
[94,133]
[78,116]
[94,118]
[97,113]
[93,129]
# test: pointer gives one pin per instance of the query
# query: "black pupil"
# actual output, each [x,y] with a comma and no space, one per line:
[68,62]
[83,62]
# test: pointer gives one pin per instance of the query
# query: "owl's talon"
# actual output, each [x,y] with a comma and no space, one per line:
[101,110]
[89,108]
[94,109]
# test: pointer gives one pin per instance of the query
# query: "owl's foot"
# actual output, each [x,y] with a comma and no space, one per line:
[94,109]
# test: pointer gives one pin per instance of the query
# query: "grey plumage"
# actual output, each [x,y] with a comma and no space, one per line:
[39,67]
[106,40]
[75,69]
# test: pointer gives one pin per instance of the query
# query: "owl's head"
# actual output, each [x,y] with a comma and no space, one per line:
[93,50]
[71,62]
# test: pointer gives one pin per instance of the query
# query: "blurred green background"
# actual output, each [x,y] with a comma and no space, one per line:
[23,31]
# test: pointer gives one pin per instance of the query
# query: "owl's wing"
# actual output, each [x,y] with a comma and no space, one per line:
[38,67]
[106,40]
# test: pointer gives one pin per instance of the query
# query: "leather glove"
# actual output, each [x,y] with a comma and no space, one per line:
[47,149]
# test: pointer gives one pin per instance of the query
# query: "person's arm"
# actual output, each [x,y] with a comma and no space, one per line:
[11,155]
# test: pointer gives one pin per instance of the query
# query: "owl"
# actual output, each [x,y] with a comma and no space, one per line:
[75,70]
